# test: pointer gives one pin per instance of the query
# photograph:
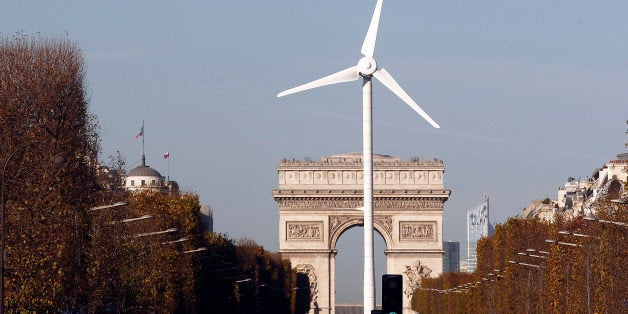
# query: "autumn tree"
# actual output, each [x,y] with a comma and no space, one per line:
[159,257]
[48,145]
[518,271]
[270,286]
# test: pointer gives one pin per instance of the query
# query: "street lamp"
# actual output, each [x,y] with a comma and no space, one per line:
[532,255]
[526,264]
[574,234]
[538,251]
[177,240]
[170,230]
[562,243]
[118,204]
[137,218]
[531,290]
[587,262]
[623,200]
[591,218]
[200,249]
[247,280]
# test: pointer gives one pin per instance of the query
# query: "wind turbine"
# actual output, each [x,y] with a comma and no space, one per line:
[367,68]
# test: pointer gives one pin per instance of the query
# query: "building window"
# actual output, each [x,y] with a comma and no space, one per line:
[152,182]
[143,182]
[132,182]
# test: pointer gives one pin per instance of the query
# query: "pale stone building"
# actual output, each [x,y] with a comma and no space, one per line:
[143,178]
[318,202]
[578,197]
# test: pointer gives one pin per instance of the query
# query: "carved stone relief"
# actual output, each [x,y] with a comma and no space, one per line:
[291,177]
[319,203]
[320,177]
[349,177]
[306,177]
[392,177]
[420,177]
[335,222]
[308,270]
[414,273]
[385,222]
[388,177]
[436,177]
[405,177]
[301,231]
[408,204]
[417,230]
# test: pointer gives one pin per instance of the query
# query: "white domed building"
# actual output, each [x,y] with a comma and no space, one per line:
[144,177]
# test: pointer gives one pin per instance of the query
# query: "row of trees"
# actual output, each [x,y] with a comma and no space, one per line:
[167,264]
[520,272]
[62,255]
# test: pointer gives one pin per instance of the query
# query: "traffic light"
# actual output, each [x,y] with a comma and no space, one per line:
[392,297]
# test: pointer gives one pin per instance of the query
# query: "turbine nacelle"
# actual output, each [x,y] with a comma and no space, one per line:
[367,66]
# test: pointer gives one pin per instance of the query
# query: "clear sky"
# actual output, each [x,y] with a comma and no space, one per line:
[527,94]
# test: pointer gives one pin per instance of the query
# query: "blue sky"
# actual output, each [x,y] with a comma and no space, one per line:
[527,94]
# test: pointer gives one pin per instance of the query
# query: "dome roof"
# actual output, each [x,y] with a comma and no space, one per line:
[143,171]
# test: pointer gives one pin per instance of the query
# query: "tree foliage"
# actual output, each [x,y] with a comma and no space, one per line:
[43,116]
[242,277]
[135,265]
[570,279]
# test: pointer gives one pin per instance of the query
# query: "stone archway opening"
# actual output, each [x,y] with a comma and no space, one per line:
[349,266]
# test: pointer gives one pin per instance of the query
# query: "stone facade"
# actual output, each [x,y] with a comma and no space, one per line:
[318,201]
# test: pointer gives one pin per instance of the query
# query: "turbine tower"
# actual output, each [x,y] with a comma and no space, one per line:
[367,68]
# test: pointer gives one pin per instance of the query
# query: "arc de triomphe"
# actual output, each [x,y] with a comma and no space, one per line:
[317,203]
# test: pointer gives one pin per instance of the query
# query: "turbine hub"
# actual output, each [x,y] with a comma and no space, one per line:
[367,66]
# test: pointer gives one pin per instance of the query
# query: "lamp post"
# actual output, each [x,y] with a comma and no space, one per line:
[200,249]
[562,243]
[170,230]
[623,200]
[531,286]
[538,251]
[526,264]
[588,266]
[137,218]
[118,204]
[590,218]
[532,255]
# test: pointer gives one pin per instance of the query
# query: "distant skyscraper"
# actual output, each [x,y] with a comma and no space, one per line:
[207,218]
[478,226]
[451,259]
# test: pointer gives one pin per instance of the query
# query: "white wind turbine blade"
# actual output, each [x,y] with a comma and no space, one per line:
[368,47]
[383,76]
[346,75]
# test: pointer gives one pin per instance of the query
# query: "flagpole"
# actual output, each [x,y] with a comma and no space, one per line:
[168,164]
[143,156]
